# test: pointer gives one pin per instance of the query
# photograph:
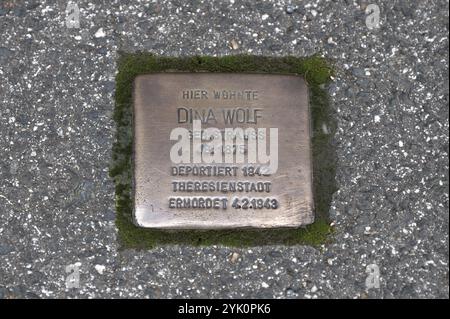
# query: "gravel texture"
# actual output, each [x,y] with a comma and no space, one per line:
[390,96]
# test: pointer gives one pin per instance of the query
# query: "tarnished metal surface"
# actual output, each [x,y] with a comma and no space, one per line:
[223,197]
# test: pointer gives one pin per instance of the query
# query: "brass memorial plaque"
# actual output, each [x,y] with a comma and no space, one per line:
[219,150]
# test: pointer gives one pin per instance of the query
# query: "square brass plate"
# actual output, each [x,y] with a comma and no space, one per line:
[170,195]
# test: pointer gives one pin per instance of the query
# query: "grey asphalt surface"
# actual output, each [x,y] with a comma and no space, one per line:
[390,96]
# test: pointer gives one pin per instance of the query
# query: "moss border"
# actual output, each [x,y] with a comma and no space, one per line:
[316,71]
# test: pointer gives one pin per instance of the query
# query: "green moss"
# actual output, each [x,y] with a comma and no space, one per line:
[315,70]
